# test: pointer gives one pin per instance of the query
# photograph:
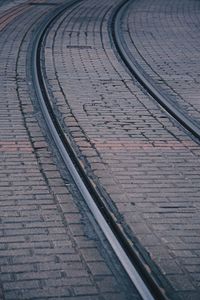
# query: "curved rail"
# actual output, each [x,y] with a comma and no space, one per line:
[138,272]
[11,14]
[127,58]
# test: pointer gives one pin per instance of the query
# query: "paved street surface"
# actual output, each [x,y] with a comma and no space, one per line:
[48,247]
[143,162]
[139,157]
[166,40]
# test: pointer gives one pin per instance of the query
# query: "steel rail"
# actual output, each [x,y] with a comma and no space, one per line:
[122,246]
[12,13]
[122,48]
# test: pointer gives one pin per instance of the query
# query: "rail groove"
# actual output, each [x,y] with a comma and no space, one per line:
[11,14]
[129,257]
[122,48]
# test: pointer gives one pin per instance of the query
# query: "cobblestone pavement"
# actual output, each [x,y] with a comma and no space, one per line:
[48,249]
[164,38]
[7,4]
[144,163]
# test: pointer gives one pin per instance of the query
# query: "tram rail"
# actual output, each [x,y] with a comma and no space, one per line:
[136,71]
[136,268]
[11,14]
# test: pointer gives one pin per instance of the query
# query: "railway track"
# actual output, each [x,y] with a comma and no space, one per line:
[138,73]
[11,14]
[129,257]
[18,83]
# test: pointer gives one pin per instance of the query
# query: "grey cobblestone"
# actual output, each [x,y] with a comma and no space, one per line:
[140,157]
[167,48]
[41,224]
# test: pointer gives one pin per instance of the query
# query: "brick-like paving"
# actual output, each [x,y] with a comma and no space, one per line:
[146,165]
[164,38]
[48,249]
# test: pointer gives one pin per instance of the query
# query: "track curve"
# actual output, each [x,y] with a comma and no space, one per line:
[141,278]
[137,71]
[102,102]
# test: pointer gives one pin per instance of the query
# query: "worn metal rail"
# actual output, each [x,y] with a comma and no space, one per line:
[138,271]
[127,58]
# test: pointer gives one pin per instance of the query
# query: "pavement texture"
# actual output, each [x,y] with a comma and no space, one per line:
[50,247]
[143,162]
[164,40]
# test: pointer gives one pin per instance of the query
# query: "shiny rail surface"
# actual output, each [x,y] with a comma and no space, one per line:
[138,272]
[126,56]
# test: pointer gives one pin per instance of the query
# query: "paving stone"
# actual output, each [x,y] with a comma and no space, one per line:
[180,282]
[40,256]
[146,166]
[167,52]
[126,131]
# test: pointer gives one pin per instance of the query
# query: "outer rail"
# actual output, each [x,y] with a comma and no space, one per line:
[11,14]
[129,257]
[127,58]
